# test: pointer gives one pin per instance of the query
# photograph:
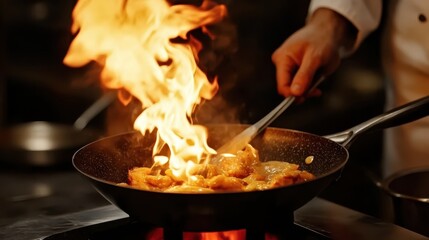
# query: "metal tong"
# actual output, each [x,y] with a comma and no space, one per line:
[242,139]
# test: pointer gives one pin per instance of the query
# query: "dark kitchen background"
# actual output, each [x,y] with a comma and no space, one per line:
[35,85]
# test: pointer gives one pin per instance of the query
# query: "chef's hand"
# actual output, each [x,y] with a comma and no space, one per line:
[312,51]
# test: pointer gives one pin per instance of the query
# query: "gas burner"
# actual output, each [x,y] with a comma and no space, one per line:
[318,219]
[127,229]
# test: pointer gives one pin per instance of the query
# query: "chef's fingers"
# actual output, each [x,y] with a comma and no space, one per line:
[285,70]
[305,74]
[313,93]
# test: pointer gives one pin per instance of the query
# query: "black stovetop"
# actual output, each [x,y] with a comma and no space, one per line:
[132,230]
[318,219]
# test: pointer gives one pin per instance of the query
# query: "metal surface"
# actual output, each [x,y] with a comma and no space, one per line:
[324,217]
[102,103]
[400,115]
[31,193]
[409,192]
[242,139]
[42,143]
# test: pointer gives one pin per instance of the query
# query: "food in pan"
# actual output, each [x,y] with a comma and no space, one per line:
[241,172]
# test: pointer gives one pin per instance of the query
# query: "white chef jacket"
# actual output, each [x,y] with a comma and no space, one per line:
[405,56]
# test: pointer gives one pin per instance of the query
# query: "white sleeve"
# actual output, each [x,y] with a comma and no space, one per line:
[365,15]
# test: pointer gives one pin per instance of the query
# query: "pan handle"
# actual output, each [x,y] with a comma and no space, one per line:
[397,116]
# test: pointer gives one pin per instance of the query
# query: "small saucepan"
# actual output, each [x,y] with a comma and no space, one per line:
[43,144]
[409,192]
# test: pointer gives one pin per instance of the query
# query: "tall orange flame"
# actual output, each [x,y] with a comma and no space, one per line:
[145,48]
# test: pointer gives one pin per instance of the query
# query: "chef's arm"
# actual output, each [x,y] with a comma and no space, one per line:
[364,15]
[331,32]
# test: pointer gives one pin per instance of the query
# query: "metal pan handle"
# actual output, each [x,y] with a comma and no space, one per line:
[397,116]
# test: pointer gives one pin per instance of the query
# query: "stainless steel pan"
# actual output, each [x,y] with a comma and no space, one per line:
[42,143]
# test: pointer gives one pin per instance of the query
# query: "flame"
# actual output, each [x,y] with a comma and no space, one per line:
[158,234]
[145,49]
[228,235]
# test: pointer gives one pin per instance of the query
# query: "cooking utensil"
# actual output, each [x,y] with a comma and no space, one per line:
[242,139]
[409,192]
[103,102]
[106,163]
[43,144]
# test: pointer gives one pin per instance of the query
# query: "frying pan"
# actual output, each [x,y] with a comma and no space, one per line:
[45,144]
[105,163]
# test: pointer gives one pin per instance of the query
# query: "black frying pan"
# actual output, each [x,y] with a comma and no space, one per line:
[105,163]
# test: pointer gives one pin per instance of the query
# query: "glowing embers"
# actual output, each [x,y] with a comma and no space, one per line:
[241,234]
